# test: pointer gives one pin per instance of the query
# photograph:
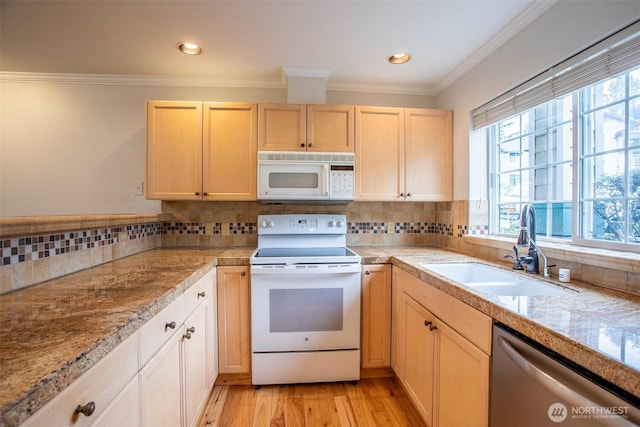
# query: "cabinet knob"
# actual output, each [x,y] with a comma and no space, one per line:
[190,331]
[310,145]
[170,325]
[202,294]
[429,324]
[197,193]
[409,194]
[86,410]
[401,194]
[243,274]
[205,193]
[302,145]
[367,272]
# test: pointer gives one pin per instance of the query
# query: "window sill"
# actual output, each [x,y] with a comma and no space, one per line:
[618,260]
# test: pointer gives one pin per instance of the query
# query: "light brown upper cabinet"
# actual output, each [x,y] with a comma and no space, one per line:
[298,127]
[403,154]
[201,151]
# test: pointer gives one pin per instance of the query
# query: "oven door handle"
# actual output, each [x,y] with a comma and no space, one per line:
[306,270]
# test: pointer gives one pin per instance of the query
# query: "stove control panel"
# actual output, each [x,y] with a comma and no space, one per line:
[302,224]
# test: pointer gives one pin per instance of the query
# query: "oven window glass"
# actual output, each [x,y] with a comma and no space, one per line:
[293,180]
[305,310]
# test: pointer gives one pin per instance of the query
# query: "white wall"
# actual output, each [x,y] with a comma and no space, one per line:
[78,148]
[564,29]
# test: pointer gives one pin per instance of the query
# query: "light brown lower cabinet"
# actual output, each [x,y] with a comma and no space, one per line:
[234,320]
[445,371]
[376,316]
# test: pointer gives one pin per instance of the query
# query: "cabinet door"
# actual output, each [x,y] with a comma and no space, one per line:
[174,150]
[376,316]
[330,128]
[282,127]
[212,332]
[234,320]
[397,325]
[379,137]
[420,356]
[160,387]
[229,151]
[428,155]
[124,410]
[195,361]
[462,383]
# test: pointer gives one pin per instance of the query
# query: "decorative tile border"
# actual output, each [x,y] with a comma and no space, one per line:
[32,248]
[24,249]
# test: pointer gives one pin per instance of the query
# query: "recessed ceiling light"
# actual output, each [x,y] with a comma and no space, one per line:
[399,58]
[189,48]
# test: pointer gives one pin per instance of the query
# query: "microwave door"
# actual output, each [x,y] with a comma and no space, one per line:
[293,181]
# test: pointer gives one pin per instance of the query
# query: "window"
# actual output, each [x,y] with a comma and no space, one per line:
[534,158]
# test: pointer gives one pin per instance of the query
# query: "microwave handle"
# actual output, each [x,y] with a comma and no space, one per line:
[324,180]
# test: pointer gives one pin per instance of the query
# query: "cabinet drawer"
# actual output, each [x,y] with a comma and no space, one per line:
[100,385]
[197,293]
[466,320]
[160,328]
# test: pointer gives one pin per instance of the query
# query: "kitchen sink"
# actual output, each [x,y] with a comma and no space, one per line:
[495,281]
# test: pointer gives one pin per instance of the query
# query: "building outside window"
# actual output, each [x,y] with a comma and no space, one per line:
[577,159]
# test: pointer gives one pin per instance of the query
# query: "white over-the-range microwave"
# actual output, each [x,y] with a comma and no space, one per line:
[285,176]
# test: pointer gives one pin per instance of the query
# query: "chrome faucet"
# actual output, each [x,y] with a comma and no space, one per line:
[527,238]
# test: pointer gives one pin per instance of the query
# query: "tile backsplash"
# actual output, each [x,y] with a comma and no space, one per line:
[36,256]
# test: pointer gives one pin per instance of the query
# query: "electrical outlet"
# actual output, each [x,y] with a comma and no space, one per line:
[391,227]
[122,236]
[138,188]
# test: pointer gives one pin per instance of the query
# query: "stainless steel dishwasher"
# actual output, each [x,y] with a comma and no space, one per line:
[531,386]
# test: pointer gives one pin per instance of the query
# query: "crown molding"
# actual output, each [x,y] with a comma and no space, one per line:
[530,14]
[130,80]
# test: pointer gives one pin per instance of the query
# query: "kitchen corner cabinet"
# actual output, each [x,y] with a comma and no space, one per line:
[299,127]
[234,320]
[403,154]
[441,350]
[201,151]
[376,316]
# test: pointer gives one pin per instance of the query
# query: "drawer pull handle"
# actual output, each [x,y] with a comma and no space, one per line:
[170,325]
[202,294]
[87,409]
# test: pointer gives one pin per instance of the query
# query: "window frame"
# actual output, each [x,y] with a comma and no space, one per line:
[577,161]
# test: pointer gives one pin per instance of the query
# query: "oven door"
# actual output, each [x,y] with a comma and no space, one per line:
[293,181]
[305,307]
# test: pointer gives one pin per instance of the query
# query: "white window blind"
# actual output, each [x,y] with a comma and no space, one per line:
[609,57]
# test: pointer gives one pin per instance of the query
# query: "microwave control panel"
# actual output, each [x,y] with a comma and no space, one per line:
[341,182]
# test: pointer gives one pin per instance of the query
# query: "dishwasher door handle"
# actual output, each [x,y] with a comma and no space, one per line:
[551,383]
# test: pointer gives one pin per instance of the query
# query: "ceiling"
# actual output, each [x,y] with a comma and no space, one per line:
[247,43]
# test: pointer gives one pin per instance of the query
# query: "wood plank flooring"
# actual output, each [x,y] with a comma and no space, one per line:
[370,402]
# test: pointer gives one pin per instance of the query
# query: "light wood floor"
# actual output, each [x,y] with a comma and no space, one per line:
[371,402]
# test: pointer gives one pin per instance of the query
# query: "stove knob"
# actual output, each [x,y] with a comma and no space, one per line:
[263,224]
[332,223]
[339,224]
[272,224]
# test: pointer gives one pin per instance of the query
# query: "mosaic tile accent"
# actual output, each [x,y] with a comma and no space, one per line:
[31,248]
[479,229]
[243,228]
[25,249]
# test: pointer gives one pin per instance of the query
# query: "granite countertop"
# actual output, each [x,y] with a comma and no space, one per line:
[79,318]
[596,328]
[52,333]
